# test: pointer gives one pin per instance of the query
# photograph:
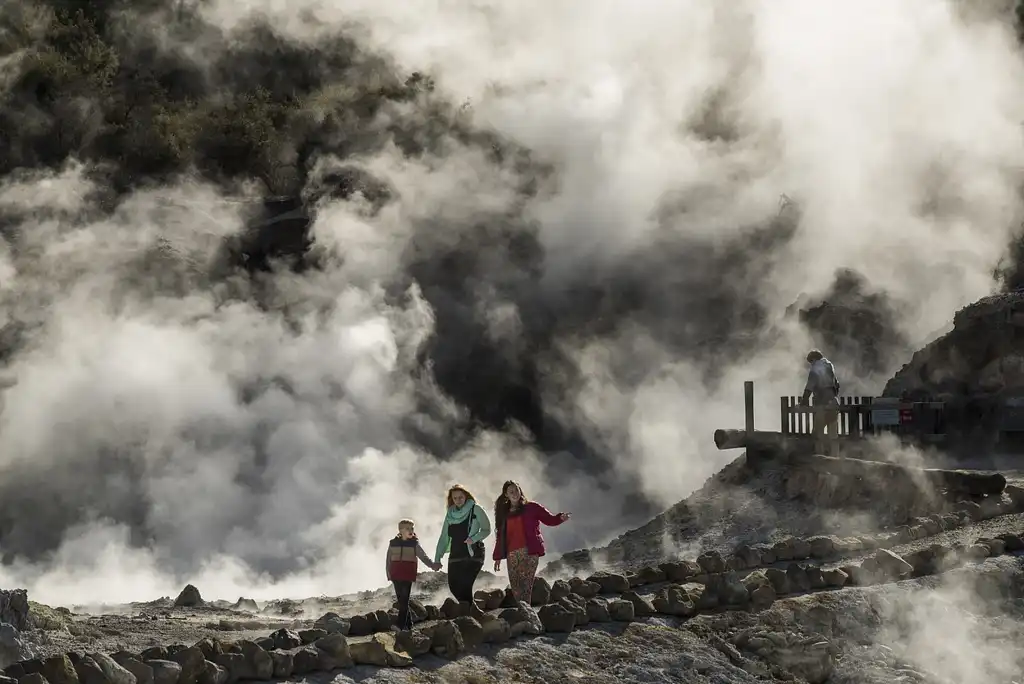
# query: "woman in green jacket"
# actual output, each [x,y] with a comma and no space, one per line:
[462,537]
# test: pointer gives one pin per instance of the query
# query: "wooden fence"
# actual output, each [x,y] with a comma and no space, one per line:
[854,416]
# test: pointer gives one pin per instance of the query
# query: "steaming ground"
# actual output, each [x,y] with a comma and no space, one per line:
[559,266]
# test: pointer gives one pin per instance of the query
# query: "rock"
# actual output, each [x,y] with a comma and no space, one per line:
[675,571]
[33,678]
[286,638]
[970,509]
[641,606]
[976,552]
[541,592]
[379,650]
[813,663]
[308,636]
[560,589]
[334,652]
[451,609]
[213,674]
[621,610]
[778,579]
[14,608]
[822,546]
[193,664]
[446,639]
[797,578]
[154,653]
[492,599]
[143,673]
[522,620]
[88,671]
[496,631]
[610,583]
[209,647]
[747,557]
[784,550]
[645,575]
[433,612]
[114,673]
[801,549]
[711,562]
[332,623]
[587,589]
[1012,542]
[996,547]
[557,618]
[189,597]
[834,577]
[305,660]
[246,604]
[58,669]
[164,671]
[509,600]
[284,664]
[1016,496]
[413,642]
[472,631]
[12,647]
[383,620]
[673,600]
[266,643]
[577,605]
[597,611]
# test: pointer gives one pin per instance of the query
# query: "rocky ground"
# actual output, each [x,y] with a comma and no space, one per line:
[765,574]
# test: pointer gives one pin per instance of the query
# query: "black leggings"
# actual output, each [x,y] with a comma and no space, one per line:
[461,577]
[402,592]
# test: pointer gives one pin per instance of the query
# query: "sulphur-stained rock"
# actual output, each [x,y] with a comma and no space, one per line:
[334,652]
[673,600]
[557,618]
[379,650]
[284,664]
[560,589]
[610,583]
[164,671]
[414,642]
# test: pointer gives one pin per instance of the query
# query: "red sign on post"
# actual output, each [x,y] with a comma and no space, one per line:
[906,415]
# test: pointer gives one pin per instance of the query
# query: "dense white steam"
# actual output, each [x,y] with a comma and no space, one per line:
[895,126]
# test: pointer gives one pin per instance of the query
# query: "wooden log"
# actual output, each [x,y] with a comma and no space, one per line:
[955,481]
[762,440]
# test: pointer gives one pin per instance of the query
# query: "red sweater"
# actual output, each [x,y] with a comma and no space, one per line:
[532,516]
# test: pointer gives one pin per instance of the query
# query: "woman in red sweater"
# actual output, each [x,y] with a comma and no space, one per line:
[518,538]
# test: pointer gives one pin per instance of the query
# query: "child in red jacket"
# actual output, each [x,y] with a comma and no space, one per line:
[403,550]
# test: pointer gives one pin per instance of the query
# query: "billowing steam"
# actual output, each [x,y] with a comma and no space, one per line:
[553,253]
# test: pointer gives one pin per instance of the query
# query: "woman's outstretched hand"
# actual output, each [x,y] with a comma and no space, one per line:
[564,516]
[497,566]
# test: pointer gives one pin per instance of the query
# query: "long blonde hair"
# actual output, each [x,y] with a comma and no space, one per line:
[458,488]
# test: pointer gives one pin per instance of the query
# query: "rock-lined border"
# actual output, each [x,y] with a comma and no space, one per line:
[461,627]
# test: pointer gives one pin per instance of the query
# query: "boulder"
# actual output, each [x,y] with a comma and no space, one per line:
[143,673]
[796,576]
[413,642]
[645,575]
[560,589]
[541,592]
[778,579]
[305,660]
[445,639]
[522,620]
[621,610]
[673,600]
[597,611]
[492,599]
[748,557]
[892,566]
[495,630]
[286,638]
[610,583]
[711,562]
[164,671]
[87,671]
[154,653]
[209,647]
[471,629]
[358,625]
[379,650]
[284,664]
[308,636]
[834,577]
[582,587]
[112,671]
[676,571]
[33,678]
[332,623]
[641,606]
[557,618]
[59,669]
[193,664]
[214,674]
[12,647]
[333,651]
[822,546]
[189,597]
[14,608]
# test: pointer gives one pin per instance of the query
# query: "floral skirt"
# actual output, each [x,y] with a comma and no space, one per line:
[522,569]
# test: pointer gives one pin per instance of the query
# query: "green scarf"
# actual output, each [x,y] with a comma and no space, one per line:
[479,526]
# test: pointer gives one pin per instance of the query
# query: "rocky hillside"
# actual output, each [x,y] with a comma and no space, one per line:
[929,590]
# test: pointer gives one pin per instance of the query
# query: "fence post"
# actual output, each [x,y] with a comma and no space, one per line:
[748,406]
[784,414]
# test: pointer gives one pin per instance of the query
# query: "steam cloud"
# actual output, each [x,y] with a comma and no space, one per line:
[578,317]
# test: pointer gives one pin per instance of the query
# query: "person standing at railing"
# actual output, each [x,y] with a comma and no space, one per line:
[823,387]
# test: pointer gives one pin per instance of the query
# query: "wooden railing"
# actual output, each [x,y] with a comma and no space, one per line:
[854,416]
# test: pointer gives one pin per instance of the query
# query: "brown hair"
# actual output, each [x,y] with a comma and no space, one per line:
[502,506]
[814,355]
[458,488]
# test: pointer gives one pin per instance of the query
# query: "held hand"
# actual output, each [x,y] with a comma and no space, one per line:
[497,566]
[564,516]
